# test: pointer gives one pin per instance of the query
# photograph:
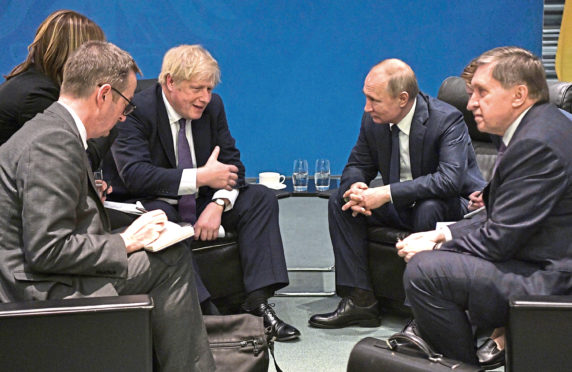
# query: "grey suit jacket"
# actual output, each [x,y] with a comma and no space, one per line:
[54,230]
[529,204]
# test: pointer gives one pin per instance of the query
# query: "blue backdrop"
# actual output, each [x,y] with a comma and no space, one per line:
[292,70]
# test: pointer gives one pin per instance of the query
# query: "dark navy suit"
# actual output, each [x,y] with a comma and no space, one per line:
[444,170]
[145,168]
[521,246]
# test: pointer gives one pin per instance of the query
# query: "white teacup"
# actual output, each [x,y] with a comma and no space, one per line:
[271,179]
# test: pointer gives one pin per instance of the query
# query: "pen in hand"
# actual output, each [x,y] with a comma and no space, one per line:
[140,207]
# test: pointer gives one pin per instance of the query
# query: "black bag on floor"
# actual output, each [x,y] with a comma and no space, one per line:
[239,343]
[402,353]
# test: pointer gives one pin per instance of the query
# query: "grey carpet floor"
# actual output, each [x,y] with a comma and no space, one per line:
[304,228]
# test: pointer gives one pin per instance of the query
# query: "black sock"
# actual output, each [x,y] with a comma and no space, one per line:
[209,308]
[362,297]
[256,298]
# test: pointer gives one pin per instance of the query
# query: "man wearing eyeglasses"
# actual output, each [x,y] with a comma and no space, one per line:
[55,236]
[176,153]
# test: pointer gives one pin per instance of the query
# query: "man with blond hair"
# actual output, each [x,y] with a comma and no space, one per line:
[422,149]
[56,240]
[522,245]
[176,153]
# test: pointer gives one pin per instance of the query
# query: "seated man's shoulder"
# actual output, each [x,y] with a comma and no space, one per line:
[215,103]
[442,108]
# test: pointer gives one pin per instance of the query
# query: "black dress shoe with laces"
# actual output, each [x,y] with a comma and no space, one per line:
[489,355]
[281,330]
[347,314]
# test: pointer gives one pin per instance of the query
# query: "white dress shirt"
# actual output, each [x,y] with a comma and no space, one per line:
[404,126]
[188,183]
[78,123]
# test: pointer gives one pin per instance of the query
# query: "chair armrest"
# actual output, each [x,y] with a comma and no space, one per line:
[539,333]
[541,302]
[77,335]
[75,305]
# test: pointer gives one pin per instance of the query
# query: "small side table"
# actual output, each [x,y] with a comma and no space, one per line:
[311,192]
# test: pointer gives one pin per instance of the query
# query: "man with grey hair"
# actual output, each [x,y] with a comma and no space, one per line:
[56,240]
[422,149]
[522,245]
[176,153]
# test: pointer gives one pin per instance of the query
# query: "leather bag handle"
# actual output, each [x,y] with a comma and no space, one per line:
[401,339]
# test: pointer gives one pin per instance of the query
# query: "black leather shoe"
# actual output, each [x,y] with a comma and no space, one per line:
[489,355]
[411,328]
[281,330]
[347,314]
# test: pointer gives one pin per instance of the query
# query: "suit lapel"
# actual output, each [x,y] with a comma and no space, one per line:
[417,136]
[164,128]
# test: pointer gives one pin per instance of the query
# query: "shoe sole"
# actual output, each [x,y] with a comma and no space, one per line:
[492,366]
[360,323]
[289,338]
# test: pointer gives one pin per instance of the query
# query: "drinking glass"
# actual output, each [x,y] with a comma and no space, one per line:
[322,174]
[300,175]
[98,178]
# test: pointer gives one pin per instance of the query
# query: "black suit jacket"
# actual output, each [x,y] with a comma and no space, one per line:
[443,162]
[30,93]
[144,153]
[529,203]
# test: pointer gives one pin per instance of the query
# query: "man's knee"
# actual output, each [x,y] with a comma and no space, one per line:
[420,268]
[335,202]
[260,195]
[428,212]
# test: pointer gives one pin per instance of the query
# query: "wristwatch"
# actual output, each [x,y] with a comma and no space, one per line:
[221,203]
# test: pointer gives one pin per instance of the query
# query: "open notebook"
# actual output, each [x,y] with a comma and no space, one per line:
[174,233]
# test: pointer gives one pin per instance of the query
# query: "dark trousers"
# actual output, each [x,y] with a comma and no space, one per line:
[349,234]
[442,287]
[255,219]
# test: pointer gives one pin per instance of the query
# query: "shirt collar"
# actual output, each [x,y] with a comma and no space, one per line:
[507,137]
[78,123]
[173,115]
[404,124]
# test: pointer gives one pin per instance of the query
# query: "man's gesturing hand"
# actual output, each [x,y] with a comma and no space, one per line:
[216,174]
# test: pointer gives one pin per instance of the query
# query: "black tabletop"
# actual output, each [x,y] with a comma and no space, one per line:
[288,191]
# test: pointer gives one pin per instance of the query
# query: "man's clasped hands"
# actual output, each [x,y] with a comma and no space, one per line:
[362,199]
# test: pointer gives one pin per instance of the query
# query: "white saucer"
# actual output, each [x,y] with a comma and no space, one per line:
[278,186]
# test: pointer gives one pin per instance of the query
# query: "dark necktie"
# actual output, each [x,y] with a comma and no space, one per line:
[394,159]
[500,153]
[187,203]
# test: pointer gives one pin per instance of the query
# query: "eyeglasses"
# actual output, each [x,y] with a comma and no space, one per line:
[130,105]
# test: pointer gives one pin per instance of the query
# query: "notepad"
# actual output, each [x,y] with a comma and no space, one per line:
[174,233]
[171,234]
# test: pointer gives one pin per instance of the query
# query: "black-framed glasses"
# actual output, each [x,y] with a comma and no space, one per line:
[130,105]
